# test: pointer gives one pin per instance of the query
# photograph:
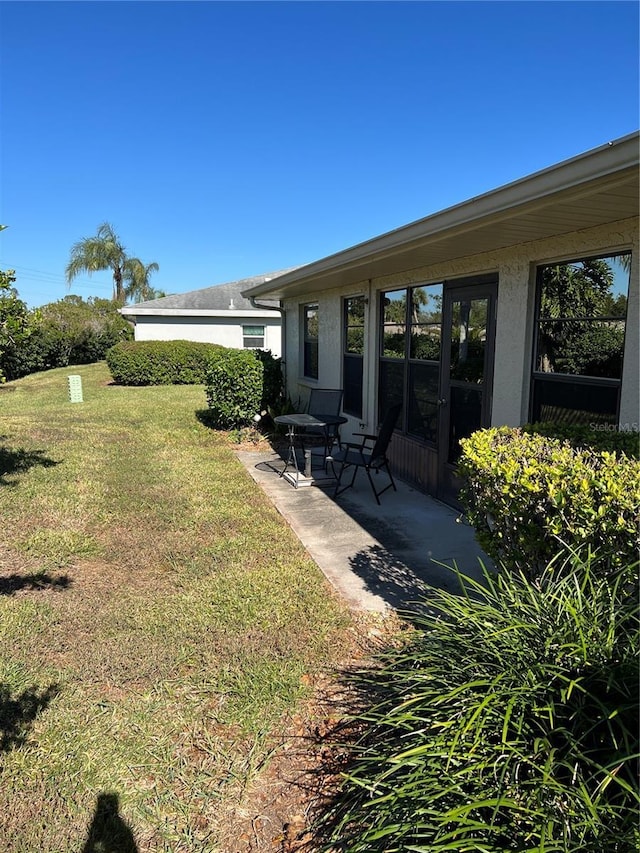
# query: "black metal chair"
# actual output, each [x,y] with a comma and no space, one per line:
[324,401]
[358,456]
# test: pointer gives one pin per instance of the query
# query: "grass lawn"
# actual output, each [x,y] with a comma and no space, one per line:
[158,620]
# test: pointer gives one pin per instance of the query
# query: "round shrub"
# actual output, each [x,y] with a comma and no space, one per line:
[160,362]
[527,494]
[234,389]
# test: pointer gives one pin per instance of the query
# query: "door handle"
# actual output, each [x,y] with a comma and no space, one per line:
[442,402]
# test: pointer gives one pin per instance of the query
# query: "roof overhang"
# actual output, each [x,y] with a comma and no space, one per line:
[132,311]
[595,188]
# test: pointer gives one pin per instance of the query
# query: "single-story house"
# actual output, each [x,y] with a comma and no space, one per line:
[518,305]
[219,314]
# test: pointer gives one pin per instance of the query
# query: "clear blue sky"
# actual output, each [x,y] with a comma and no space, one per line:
[227,139]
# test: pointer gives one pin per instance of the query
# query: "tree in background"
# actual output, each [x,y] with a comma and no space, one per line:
[70,331]
[15,324]
[75,331]
[138,288]
[581,327]
[106,252]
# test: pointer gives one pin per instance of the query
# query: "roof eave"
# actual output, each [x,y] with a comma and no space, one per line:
[585,170]
[132,311]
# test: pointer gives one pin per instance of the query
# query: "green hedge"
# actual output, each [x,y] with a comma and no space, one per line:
[273,379]
[234,389]
[527,493]
[160,362]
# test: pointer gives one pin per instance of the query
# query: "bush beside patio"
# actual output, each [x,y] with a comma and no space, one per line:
[507,718]
[528,495]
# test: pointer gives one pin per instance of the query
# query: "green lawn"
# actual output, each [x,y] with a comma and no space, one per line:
[157,618]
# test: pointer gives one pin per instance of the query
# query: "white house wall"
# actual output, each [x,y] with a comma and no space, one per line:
[516,268]
[213,330]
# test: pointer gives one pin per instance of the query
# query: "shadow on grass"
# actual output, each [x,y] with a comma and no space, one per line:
[17,713]
[10,584]
[109,832]
[266,430]
[205,416]
[20,460]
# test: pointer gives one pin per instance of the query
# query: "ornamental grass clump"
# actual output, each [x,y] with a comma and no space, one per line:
[507,722]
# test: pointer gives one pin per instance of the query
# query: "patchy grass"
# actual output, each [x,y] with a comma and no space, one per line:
[158,619]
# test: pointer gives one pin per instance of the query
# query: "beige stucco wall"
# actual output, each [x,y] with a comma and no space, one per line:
[515,316]
[217,330]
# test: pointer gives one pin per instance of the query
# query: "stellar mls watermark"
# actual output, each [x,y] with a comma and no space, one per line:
[630,427]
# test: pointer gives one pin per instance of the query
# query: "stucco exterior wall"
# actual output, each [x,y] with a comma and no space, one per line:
[217,330]
[516,268]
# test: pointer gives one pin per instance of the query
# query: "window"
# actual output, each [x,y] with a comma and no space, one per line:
[409,363]
[581,313]
[253,337]
[310,341]
[352,354]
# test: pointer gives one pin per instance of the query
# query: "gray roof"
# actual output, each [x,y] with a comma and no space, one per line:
[218,297]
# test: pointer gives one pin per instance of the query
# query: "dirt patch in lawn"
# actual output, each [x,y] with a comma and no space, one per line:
[280,808]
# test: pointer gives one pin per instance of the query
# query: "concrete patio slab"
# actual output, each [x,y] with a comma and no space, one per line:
[377,557]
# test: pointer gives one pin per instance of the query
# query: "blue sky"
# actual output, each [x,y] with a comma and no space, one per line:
[227,139]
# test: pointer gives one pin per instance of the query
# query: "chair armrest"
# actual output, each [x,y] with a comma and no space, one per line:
[365,438]
[355,448]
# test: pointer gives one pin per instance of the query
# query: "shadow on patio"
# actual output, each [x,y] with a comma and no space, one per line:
[377,557]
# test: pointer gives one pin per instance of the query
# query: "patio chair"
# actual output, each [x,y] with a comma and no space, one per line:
[359,456]
[324,401]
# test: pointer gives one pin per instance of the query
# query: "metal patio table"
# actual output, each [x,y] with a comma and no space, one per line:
[296,425]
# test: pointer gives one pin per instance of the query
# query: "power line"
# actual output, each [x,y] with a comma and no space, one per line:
[53,278]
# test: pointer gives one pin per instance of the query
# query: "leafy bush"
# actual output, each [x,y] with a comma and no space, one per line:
[507,722]
[161,362]
[525,493]
[14,328]
[272,380]
[234,387]
[69,331]
[597,438]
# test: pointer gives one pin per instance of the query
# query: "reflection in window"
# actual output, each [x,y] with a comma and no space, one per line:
[394,324]
[468,339]
[310,342]
[352,356]
[409,367]
[582,311]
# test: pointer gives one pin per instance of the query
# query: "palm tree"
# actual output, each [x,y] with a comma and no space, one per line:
[102,252]
[136,274]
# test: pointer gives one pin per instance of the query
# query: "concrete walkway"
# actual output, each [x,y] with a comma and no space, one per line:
[377,557]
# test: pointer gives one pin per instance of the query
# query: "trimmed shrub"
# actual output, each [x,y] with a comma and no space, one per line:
[234,388]
[525,494]
[161,362]
[506,722]
[272,380]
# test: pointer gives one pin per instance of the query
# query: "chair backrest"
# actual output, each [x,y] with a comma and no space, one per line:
[386,431]
[325,401]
